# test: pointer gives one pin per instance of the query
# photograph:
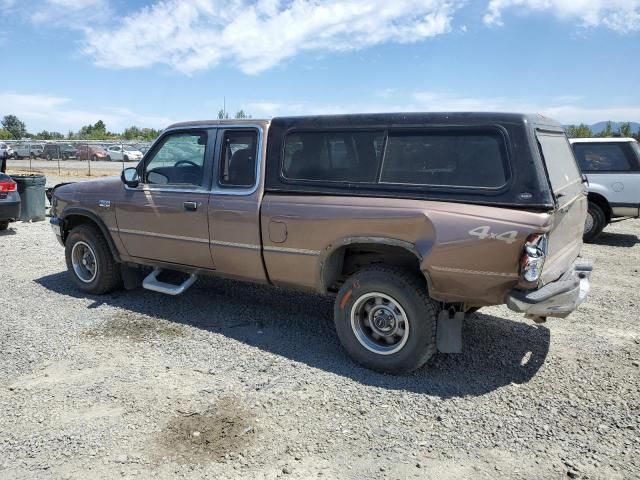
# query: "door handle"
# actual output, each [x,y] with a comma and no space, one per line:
[191,206]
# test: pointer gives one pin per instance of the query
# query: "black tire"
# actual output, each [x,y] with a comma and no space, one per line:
[107,271]
[65,156]
[94,158]
[126,158]
[33,156]
[597,219]
[108,158]
[409,291]
[4,225]
[49,157]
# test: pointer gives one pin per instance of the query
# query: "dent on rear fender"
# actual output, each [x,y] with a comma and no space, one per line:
[476,253]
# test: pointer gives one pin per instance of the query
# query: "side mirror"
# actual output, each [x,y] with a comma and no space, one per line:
[130,177]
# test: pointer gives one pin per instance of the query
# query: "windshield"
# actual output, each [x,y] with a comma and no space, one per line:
[129,148]
[636,148]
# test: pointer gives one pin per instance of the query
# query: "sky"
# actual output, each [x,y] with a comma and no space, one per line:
[68,63]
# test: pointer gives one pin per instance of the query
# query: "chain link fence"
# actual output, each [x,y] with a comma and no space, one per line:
[75,157]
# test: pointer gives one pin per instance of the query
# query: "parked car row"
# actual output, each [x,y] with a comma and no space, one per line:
[68,150]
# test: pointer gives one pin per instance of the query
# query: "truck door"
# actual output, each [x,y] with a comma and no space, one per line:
[234,206]
[165,218]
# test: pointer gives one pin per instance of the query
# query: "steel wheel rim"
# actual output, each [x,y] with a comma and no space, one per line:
[588,223]
[83,260]
[380,323]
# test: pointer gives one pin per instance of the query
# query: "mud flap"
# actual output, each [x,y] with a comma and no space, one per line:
[449,332]
[131,276]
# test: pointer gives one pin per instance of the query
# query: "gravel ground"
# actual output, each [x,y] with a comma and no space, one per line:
[239,381]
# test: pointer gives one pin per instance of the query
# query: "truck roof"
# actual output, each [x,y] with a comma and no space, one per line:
[602,140]
[386,118]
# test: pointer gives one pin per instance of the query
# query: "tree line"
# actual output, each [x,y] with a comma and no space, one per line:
[15,129]
[584,131]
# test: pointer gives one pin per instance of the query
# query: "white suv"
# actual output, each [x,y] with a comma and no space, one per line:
[5,150]
[612,166]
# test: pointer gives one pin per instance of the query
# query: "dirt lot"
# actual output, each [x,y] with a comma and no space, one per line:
[239,381]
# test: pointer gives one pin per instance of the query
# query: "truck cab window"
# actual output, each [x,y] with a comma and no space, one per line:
[238,158]
[178,161]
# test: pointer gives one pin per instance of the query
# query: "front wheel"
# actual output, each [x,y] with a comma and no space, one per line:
[94,158]
[4,225]
[126,158]
[595,222]
[89,261]
[385,319]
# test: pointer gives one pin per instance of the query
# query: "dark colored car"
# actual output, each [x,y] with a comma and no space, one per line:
[64,151]
[93,152]
[9,201]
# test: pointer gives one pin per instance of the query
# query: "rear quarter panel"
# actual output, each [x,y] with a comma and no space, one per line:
[461,266]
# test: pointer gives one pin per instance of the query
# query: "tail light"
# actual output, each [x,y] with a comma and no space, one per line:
[8,186]
[535,254]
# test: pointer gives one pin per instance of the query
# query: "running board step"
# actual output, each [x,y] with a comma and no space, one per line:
[151,282]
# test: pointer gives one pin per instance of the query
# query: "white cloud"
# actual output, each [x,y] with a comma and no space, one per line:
[620,15]
[50,112]
[77,14]
[567,109]
[255,35]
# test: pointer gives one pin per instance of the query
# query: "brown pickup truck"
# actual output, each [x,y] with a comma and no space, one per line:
[410,220]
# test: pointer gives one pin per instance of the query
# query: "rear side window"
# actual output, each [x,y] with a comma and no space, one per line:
[238,158]
[605,157]
[475,159]
[349,156]
[558,157]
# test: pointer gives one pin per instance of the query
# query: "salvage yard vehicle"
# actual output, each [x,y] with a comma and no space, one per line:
[91,152]
[64,151]
[411,221]
[612,166]
[27,149]
[9,201]
[122,153]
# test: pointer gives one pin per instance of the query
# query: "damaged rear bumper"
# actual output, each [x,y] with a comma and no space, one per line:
[556,299]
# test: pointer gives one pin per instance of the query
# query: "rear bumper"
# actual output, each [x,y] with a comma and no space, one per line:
[556,299]
[10,208]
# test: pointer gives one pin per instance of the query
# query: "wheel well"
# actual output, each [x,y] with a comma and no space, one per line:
[602,203]
[347,260]
[73,220]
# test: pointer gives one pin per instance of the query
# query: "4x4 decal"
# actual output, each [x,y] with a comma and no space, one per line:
[485,232]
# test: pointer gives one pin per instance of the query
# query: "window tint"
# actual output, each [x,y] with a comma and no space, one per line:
[559,159]
[238,158]
[598,157]
[178,161]
[460,159]
[333,156]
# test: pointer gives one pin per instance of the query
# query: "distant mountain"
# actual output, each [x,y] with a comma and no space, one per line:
[600,126]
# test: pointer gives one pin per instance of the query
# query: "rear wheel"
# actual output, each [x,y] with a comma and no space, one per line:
[595,222]
[89,261]
[126,158]
[385,319]
[4,225]
[94,158]
[108,158]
